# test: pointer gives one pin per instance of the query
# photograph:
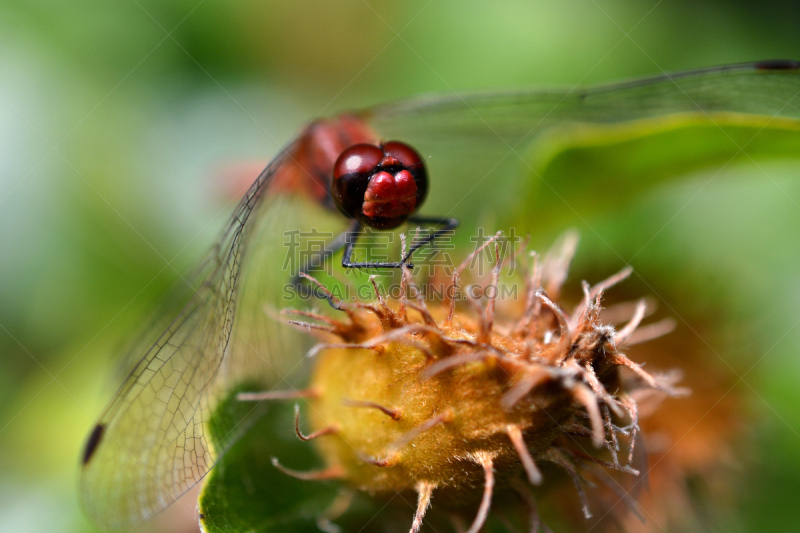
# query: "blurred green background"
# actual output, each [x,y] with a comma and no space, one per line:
[123,124]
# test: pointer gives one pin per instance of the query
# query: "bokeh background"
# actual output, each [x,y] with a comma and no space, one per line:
[128,128]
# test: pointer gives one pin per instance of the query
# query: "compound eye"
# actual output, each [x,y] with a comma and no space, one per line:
[403,152]
[380,186]
[358,159]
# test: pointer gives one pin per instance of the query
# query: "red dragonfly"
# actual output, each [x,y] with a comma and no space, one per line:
[152,442]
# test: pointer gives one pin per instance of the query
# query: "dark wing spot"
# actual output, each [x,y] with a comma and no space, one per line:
[91,444]
[778,64]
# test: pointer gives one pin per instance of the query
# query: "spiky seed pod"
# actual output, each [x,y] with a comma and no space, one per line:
[418,396]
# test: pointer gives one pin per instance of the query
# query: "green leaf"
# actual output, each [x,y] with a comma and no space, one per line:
[587,168]
[245,492]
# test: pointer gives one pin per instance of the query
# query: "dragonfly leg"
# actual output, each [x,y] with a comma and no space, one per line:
[348,254]
[319,259]
[349,238]
[445,224]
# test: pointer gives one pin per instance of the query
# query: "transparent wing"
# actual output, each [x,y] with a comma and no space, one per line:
[152,443]
[476,144]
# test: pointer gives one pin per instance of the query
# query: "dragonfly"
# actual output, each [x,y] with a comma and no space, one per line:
[152,442]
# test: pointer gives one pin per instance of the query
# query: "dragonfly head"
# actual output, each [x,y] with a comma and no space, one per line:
[379,185]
